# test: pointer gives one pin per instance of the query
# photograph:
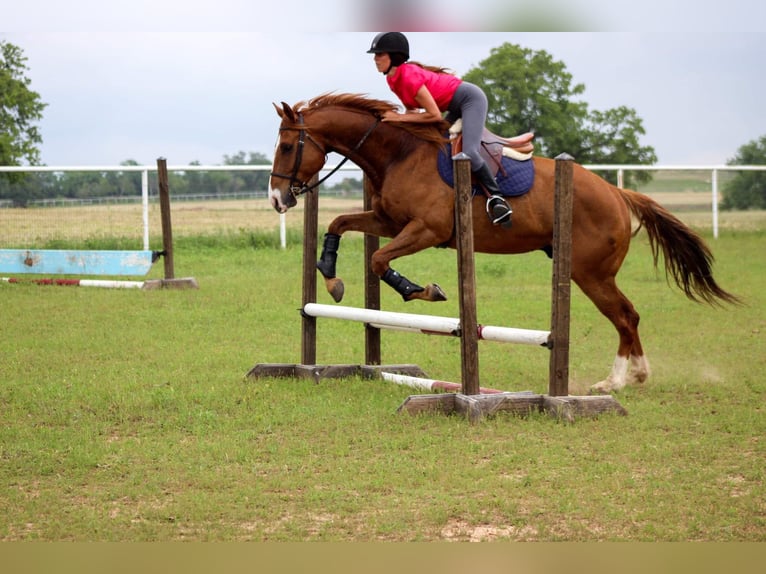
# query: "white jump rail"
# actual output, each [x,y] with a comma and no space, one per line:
[427,324]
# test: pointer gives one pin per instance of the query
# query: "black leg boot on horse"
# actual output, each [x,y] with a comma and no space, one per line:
[401,284]
[326,266]
[498,210]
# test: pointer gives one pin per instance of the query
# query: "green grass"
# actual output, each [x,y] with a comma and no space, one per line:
[125,415]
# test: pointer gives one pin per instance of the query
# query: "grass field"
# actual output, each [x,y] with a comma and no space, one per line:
[126,415]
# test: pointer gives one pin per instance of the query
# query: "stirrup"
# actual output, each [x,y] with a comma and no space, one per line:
[498,211]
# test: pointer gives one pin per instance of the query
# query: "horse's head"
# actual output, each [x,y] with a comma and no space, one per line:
[342,123]
[297,158]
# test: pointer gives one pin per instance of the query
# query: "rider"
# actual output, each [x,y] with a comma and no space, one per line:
[434,90]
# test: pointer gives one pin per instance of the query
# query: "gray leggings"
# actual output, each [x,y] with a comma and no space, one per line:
[470,103]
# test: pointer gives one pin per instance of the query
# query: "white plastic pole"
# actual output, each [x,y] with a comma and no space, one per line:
[111,284]
[427,324]
[145,206]
[385,318]
[715,203]
[513,335]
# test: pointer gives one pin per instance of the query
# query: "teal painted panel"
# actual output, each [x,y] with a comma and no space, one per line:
[65,262]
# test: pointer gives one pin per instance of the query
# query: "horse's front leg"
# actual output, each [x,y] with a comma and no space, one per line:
[413,238]
[366,222]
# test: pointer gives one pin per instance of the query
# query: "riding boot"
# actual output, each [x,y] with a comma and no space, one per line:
[326,263]
[498,210]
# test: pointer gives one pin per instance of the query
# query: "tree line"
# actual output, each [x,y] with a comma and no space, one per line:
[127,184]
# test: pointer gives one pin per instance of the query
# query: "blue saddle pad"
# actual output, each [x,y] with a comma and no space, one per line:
[515,177]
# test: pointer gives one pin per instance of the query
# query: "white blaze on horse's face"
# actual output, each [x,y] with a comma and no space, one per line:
[281,199]
[275,197]
[274,194]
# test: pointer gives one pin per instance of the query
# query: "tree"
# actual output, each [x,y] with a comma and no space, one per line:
[20,108]
[249,181]
[611,137]
[747,190]
[529,91]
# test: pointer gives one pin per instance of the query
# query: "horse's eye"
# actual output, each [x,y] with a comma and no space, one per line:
[286,147]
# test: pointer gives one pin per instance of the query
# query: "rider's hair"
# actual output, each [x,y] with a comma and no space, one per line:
[436,69]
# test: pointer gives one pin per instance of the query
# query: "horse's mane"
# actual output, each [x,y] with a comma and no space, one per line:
[430,132]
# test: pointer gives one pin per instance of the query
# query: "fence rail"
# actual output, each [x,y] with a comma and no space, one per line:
[620,170]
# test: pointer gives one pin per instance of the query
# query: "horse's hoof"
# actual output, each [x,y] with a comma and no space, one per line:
[429,293]
[602,388]
[435,293]
[335,288]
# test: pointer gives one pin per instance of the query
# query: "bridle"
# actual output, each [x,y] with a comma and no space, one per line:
[297,186]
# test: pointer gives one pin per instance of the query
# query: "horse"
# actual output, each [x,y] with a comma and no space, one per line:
[414,207]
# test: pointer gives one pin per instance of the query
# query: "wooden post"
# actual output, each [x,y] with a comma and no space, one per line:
[167,229]
[310,230]
[469,337]
[371,287]
[558,384]
[170,280]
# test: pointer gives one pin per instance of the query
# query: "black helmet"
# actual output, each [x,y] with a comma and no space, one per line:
[391,43]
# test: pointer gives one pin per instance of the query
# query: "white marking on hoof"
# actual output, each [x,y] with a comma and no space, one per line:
[616,379]
[639,370]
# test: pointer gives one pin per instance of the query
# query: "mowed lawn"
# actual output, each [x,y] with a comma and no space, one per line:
[126,416]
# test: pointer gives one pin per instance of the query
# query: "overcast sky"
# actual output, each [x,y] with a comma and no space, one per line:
[195,81]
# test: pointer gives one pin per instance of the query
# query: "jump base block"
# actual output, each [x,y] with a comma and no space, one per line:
[477,407]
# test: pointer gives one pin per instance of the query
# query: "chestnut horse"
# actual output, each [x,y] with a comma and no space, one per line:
[413,206]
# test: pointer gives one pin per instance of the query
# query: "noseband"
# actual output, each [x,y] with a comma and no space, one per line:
[297,186]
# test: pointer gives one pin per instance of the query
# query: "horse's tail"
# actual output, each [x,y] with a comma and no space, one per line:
[687,257]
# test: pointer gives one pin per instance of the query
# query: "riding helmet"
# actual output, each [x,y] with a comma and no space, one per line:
[391,43]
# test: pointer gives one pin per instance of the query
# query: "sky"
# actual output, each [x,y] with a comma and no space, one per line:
[194,82]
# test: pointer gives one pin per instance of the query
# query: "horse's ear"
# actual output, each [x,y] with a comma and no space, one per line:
[285,111]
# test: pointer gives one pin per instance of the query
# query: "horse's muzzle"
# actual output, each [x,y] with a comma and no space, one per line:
[281,202]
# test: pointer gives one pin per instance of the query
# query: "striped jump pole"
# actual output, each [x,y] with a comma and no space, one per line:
[148,285]
[427,324]
[105,283]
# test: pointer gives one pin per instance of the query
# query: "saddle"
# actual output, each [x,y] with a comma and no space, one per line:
[494,147]
[507,159]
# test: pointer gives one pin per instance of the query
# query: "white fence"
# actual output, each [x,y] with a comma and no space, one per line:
[146,169]
[714,170]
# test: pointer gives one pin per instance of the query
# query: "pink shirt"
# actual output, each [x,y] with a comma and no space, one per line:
[408,79]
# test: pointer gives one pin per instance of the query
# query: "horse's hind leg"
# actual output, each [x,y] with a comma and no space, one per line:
[630,365]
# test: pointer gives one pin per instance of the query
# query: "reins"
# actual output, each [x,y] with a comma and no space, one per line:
[303,187]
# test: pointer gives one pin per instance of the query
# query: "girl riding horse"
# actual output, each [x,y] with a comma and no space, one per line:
[435,91]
